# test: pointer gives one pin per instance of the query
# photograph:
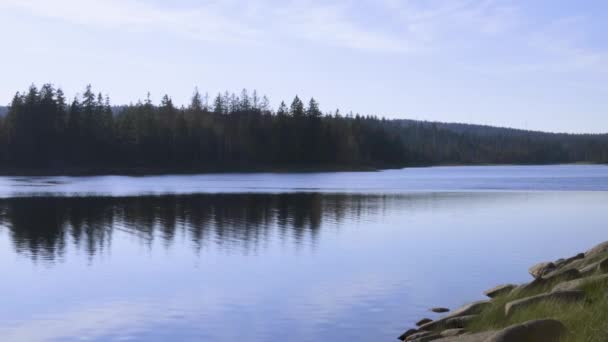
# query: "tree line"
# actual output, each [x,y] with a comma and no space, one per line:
[43,130]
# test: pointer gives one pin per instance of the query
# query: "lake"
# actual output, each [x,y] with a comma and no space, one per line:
[278,257]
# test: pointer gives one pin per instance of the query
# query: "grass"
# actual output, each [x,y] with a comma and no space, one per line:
[586,320]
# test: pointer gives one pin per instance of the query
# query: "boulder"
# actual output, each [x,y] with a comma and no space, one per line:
[407,334]
[546,330]
[539,270]
[478,337]
[440,310]
[428,338]
[421,334]
[564,262]
[470,309]
[565,296]
[578,283]
[423,321]
[448,323]
[529,286]
[597,250]
[499,290]
[599,266]
[452,332]
[563,275]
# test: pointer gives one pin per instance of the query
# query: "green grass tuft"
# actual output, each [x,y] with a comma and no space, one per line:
[586,320]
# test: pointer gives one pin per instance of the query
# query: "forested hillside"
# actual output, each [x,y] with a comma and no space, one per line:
[43,131]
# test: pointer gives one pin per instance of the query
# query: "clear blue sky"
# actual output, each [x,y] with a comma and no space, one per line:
[539,64]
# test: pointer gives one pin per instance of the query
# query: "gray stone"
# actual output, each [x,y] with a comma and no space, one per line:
[499,290]
[407,334]
[545,330]
[470,309]
[578,283]
[428,338]
[423,321]
[539,270]
[448,323]
[597,250]
[565,296]
[529,286]
[419,335]
[598,266]
[478,337]
[440,310]
[563,275]
[452,332]
[564,262]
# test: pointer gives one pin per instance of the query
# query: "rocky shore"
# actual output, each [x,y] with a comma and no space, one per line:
[567,300]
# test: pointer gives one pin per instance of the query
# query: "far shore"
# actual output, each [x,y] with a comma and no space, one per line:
[157,171]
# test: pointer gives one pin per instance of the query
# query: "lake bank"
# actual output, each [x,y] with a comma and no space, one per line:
[567,301]
[233,169]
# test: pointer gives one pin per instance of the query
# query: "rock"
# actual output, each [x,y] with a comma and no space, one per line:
[539,270]
[452,332]
[499,290]
[597,250]
[563,275]
[546,330]
[566,296]
[420,334]
[530,286]
[429,338]
[478,337]
[578,283]
[470,309]
[601,266]
[564,262]
[448,323]
[423,321]
[440,310]
[407,334]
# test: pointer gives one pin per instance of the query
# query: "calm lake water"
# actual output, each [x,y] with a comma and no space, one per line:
[278,257]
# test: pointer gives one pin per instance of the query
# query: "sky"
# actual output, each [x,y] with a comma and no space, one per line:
[539,65]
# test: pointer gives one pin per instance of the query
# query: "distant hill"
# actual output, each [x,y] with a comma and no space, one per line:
[3,111]
[488,131]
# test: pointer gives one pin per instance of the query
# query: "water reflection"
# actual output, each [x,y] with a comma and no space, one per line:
[298,267]
[44,227]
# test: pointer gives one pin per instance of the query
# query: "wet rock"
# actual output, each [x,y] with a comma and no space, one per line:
[546,330]
[565,296]
[423,321]
[407,334]
[578,283]
[597,250]
[440,310]
[499,290]
[452,332]
[539,270]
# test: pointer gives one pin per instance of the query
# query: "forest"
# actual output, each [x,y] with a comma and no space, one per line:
[41,130]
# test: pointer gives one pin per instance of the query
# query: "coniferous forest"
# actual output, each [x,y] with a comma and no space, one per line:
[42,130]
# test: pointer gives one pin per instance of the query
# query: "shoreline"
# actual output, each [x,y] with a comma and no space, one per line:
[279,169]
[567,300]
